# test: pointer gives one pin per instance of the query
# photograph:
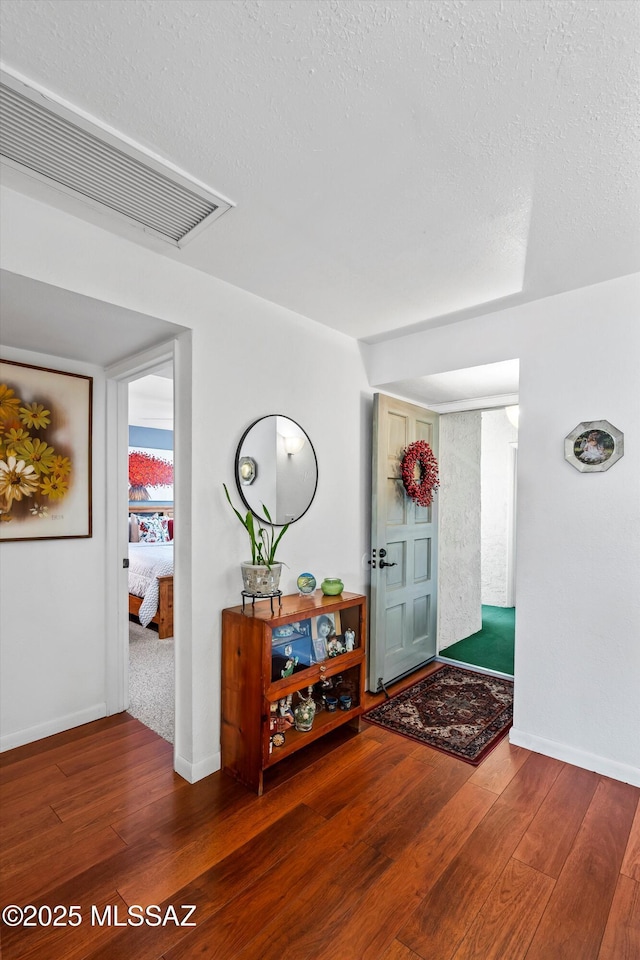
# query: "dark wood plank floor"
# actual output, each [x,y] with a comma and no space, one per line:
[368,846]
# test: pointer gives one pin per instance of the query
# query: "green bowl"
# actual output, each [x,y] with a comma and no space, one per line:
[332,586]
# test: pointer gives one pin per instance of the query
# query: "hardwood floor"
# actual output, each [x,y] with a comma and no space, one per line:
[371,846]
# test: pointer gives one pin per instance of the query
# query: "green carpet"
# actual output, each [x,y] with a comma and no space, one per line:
[491,647]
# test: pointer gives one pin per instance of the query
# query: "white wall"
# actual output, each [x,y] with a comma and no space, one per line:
[498,437]
[52,652]
[234,338]
[459,601]
[577,664]
[577,658]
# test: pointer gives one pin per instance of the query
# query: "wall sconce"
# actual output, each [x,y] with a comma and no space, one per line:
[293,445]
[513,415]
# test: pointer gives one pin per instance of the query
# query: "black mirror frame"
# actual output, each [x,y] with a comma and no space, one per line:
[241,487]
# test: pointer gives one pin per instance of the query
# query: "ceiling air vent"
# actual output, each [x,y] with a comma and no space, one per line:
[48,141]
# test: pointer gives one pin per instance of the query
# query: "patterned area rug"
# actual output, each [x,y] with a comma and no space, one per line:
[458,711]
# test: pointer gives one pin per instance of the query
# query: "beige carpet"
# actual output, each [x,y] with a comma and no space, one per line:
[151,680]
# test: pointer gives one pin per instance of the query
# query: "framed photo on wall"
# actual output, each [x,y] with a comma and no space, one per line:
[594,446]
[45,453]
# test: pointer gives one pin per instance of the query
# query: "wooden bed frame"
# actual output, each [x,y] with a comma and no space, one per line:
[164,613]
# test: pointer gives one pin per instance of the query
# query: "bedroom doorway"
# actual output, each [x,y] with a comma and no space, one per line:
[151,653]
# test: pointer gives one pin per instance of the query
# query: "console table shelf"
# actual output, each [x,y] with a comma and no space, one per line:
[259,646]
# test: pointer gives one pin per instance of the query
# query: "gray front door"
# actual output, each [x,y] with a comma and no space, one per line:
[402,629]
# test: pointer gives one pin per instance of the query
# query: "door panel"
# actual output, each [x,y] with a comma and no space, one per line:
[395,617]
[395,503]
[396,575]
[421,617]
[403,593]
[422,560]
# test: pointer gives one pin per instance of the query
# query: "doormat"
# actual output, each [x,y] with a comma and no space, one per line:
[457,711]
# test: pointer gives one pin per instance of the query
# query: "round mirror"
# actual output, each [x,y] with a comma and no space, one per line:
[276,467]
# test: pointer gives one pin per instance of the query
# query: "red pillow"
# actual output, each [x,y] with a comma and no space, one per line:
[170,527]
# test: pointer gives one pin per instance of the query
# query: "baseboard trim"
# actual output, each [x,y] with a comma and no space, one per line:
[476,669]
[578,758]
[48,729]
[192,772]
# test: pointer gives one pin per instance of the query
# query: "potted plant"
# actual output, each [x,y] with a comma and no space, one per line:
[260,575]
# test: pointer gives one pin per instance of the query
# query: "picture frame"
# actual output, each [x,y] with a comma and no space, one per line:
[319,649]
[247,470]
[317,631]
[325,635]
[150,467]
[45,453]
[594,446]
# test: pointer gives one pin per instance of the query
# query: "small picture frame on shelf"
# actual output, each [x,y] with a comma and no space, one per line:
[319,649]
[325,626]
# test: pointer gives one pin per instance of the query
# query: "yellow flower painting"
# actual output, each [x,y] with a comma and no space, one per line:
[45,453]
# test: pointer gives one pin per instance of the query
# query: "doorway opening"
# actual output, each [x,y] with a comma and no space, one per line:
[492,647]
[151,653]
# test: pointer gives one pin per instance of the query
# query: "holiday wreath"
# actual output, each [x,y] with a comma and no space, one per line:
[420,488]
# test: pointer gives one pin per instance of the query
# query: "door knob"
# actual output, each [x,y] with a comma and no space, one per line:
[383,563]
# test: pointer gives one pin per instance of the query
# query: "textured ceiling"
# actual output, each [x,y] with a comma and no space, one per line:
[395,164]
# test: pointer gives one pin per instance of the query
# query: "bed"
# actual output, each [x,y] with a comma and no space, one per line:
[151,584]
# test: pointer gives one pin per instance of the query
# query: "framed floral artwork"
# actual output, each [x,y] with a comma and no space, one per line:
[45,453]
[150,475]
[594,446]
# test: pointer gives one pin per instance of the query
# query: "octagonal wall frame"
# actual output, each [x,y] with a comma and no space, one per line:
[594,446]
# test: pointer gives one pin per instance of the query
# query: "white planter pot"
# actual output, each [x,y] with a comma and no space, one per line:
[259,579]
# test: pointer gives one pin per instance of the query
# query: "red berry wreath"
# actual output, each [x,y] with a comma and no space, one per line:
[420,488]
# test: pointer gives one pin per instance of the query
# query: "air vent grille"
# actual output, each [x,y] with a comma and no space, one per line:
[49,145]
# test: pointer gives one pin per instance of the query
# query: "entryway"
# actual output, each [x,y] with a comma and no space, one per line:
[492,646]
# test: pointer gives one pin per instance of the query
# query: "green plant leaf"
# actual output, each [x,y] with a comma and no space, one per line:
[274,546]
[263,541]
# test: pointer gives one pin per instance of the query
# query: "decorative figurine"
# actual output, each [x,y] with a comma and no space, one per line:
[334,647]
[289,667]
[349,639]
[286,713]
[305,711]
